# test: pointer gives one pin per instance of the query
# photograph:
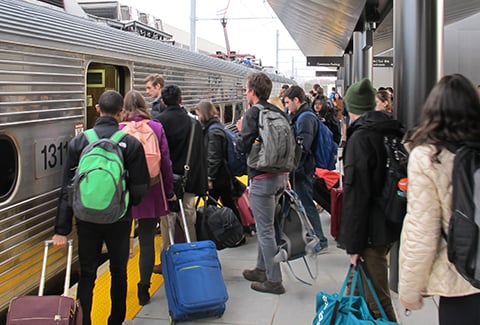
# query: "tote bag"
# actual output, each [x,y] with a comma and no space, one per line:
[338,309]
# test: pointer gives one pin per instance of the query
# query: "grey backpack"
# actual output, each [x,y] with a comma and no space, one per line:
[276,149]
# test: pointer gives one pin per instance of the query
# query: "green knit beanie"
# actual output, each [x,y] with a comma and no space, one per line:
[360,97]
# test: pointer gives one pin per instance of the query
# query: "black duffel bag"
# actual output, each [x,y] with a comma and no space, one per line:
[220,225]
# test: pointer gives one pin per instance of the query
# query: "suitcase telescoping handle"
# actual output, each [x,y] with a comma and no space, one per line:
[68,271]
[171,222]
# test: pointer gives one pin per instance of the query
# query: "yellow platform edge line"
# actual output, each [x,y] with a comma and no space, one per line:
[101,293]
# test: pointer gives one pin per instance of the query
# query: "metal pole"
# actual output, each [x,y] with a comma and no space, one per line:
[368,55]
[418,55]
[347,59]
[357,62]
[193,25]
[277,50]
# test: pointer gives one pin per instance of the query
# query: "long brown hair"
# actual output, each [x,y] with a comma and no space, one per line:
[134,104]
[451,114]
[207,111]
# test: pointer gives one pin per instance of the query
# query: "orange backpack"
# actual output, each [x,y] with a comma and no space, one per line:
[148,138]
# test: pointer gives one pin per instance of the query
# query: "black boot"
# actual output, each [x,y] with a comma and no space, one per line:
[143,295]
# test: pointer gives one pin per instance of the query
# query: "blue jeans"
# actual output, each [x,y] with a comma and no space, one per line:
[90,239]
[264,196]
[303,186]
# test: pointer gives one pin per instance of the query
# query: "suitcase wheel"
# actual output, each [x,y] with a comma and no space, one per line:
[251,230]
[170,318]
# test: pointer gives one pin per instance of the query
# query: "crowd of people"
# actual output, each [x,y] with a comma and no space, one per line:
[358,122]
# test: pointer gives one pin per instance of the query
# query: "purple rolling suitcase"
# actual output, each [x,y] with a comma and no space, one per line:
[194,283]
[47,310]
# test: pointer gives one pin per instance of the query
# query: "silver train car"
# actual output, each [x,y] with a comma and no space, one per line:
[53,68]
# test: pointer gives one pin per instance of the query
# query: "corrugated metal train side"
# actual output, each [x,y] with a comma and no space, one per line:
[52,67]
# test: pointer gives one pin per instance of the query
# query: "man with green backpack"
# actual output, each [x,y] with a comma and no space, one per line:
[105,174]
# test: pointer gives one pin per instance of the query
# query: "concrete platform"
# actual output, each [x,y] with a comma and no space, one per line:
[295,307]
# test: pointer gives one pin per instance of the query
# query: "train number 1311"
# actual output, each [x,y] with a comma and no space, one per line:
[50,156]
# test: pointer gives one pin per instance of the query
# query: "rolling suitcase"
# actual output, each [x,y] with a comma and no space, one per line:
[47,310]
[246,216]
[336,205]
[194,283]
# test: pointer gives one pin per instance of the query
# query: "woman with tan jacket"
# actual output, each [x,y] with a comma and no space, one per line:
[451,114]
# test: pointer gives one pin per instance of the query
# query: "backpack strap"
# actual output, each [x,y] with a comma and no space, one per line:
[91,135]
[117,136]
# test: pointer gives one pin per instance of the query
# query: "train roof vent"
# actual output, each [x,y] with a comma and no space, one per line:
[57,3]
[104,9]
[70,6]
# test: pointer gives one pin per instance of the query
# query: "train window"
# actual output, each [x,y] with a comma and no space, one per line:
[228,114]
[238,112]
[96,78]
[8,167]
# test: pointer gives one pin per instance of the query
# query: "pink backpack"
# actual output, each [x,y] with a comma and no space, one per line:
[148,138]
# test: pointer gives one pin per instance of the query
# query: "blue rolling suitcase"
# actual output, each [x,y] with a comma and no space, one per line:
[194,283]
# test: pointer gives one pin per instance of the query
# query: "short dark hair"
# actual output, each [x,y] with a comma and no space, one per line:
[261,84]
[171,95]
[110,102]
[296,91]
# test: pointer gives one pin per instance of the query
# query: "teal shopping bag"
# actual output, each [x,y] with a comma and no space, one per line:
[338,309]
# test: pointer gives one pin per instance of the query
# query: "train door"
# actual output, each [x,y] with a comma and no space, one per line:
[102,77]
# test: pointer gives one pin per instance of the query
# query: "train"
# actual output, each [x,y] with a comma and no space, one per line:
[53,68]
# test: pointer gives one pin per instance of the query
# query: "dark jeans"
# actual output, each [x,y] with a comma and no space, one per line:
[91,236]
[146,238]
[304,188]
[459,310]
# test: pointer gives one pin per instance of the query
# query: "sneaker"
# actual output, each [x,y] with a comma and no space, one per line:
[268,287]
[255,275]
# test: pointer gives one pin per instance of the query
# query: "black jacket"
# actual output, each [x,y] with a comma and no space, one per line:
[157,108]
[249,132]
[216,145]
[135,164]
[177,125]
[363,224]
[306,129]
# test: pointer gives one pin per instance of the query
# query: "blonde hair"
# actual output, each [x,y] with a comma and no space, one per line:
[134,104]
[276,101]
[155,79]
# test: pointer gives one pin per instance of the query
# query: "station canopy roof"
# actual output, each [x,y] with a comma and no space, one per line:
[325,27]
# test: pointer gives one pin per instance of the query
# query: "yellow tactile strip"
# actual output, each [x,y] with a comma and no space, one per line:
[101,293]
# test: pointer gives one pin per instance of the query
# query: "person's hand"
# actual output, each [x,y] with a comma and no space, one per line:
[354,259]
[239,124]
[412,306]
[210,185]
[59,240]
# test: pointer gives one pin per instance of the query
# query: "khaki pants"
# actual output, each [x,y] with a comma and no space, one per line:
[190,215]
[376,266]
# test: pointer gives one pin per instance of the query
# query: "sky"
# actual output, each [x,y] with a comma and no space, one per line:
[251,25]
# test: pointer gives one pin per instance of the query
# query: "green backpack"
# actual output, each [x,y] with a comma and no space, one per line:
[99,189]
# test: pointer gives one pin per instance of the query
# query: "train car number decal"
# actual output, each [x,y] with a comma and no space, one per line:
[50,156]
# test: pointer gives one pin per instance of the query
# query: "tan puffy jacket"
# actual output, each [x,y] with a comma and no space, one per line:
[424,266]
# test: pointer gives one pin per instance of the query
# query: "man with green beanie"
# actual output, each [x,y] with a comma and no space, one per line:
[364,230]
